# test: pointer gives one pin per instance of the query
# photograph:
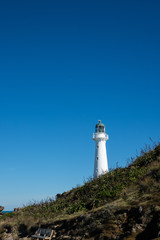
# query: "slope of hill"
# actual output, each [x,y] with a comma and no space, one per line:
[123,204]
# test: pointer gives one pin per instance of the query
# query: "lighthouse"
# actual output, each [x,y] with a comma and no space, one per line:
[100,137]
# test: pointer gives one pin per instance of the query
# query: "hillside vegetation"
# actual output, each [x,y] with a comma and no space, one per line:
[122,204]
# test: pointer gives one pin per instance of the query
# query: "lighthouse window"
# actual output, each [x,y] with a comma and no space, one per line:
[97,158]
[97,146]
[101,128]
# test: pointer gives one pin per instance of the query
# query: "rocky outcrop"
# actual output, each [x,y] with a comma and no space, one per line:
[17,209]
[106,223]
[1,209]
[133,223]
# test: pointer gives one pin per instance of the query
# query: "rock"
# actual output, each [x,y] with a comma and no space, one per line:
[1,209]
[66,237]
[140,209]
[9,238]
[25,238]
[17,209]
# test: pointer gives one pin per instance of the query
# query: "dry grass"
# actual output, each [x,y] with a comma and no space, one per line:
[136,185]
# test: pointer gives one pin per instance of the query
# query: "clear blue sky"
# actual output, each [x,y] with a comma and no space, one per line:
[64,65]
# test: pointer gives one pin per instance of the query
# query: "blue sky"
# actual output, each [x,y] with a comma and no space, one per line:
[64,65]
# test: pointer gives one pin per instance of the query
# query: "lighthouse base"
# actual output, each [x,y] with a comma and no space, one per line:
[100,164]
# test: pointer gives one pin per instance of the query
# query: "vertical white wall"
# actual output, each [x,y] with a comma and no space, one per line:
[100,163]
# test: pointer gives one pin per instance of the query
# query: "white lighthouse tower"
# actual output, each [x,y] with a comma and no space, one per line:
[100,137]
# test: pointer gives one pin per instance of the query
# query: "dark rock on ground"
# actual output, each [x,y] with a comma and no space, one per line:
[1,209]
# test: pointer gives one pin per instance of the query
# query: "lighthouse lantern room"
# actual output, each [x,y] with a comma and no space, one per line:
[100,137]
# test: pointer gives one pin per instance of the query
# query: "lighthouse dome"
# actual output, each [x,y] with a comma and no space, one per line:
[100,127]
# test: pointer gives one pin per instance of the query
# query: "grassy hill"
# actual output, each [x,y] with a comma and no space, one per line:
[122,204]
